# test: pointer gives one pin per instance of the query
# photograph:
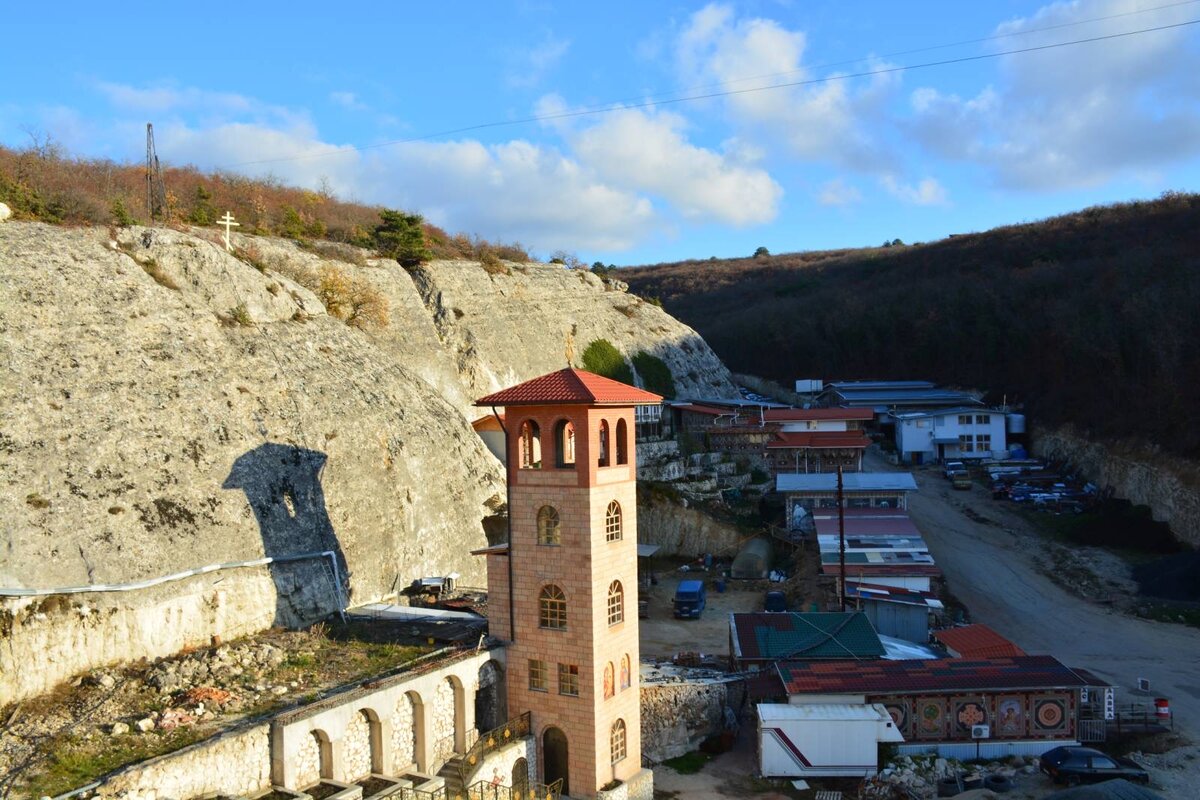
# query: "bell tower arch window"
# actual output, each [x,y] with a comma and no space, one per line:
[616,603]
[564,443]
[603,460]
[622,442]
[552,608]
[549,526]
[612,523]
[531,445]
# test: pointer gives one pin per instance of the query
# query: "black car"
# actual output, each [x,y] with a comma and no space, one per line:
[1076,765]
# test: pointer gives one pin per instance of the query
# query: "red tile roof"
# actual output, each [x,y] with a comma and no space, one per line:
[977,641]
[570,386]
[944,675]
[818,439]
[804,414]
[711,411]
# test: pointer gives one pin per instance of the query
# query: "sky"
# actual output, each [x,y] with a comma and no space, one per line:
[637,132]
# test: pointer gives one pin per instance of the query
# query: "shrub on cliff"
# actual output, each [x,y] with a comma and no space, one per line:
[352,300]
[402,237]
[602,358]
[655,374]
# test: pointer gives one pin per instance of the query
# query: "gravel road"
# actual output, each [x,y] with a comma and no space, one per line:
[991,558]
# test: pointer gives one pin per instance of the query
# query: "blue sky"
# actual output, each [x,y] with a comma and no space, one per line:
[360,96]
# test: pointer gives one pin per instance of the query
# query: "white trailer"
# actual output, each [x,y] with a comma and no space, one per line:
[822,739]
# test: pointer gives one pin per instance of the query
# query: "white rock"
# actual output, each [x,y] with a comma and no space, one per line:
[279,690]
[145,725]
[5,212]
[119,728]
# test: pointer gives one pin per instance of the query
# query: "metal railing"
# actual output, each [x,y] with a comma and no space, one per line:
[496,738]
[483,790]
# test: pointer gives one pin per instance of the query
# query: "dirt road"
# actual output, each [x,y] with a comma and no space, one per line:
[991,560]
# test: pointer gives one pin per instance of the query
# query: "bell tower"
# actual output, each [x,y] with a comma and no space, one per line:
[563,590]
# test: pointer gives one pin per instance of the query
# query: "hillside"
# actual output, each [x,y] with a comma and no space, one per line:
[1088,318]
[169,406]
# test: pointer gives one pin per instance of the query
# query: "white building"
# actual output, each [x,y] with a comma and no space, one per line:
[953,433]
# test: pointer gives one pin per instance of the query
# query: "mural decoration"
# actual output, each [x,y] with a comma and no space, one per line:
[899,711]
[1050,716]
[931,717]
[968,713]
[1010,717]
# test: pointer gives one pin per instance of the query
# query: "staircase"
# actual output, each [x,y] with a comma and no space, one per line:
[451,772]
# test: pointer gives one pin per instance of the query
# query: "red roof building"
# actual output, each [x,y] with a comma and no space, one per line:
[976,641]
[570,386]
[948,675]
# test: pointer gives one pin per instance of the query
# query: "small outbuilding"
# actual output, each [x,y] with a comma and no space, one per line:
[825,739]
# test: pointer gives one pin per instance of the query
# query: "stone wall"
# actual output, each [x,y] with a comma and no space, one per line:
[237,763]
[678,716]
[664,520]
[1136,471]
[639,787]
[147,429]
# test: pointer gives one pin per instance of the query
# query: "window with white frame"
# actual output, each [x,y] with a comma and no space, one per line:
[616,741]
[966,444]
[539,676]
[983,419]
[964,419]
[983,442]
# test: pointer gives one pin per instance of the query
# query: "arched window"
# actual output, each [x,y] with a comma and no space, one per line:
[564,443]
[616,741]
[609,681]
[622,442]
[552,608]
[616,603]
[625,676]
[548,526]
[531,445]
[603,460]
[612,522]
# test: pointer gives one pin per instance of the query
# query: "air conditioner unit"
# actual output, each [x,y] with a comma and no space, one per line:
[980,732]
[1143,684]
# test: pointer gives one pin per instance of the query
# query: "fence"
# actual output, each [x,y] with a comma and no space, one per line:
[494,739]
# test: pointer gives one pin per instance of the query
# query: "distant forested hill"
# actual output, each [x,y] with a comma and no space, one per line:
[1091,317]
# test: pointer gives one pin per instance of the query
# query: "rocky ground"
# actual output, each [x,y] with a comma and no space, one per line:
[112,717]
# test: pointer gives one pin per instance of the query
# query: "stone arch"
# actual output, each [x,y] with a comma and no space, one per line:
[564,444]
[491,707]
[530,445]
[555,758]
[356,747]
[409,734]
[520,777]
[622,442]
[313,757]
[603,457]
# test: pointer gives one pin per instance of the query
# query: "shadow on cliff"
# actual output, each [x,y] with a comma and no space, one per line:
[283,486]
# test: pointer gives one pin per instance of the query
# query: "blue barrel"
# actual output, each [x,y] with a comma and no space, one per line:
[720,584]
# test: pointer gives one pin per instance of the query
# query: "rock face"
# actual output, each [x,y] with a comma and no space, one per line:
[1137,472]
[167,406]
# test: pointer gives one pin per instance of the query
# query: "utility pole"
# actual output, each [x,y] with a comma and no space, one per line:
[156,191]
[841,502]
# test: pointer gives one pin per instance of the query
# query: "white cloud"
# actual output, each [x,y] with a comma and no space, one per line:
[926,192]
[825,121]
[837,192]
[649,152]
[348,100]
[531,66]
[1075,116]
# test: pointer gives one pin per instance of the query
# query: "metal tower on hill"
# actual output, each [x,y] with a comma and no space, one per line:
[156,190]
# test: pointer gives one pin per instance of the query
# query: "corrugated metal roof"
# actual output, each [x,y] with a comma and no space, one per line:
[945,675]
[570,386]
[828,712]
[892,594]
[818,440]
[851,481]
[805,414]
[977,641]
[946,412]
[894,525]
[764,636]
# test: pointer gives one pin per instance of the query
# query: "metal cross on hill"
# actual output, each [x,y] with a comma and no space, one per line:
[228,222]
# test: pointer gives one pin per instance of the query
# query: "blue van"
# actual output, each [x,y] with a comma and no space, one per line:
[689,599]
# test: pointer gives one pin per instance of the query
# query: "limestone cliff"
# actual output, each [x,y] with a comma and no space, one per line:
[168,406]
[1136,471]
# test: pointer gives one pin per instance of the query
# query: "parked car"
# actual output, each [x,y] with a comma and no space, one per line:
[775,602]
[952,468]
[1076,765]
[690,597]
[961,481]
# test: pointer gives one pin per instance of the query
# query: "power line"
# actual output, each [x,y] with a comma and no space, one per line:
[726,93]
